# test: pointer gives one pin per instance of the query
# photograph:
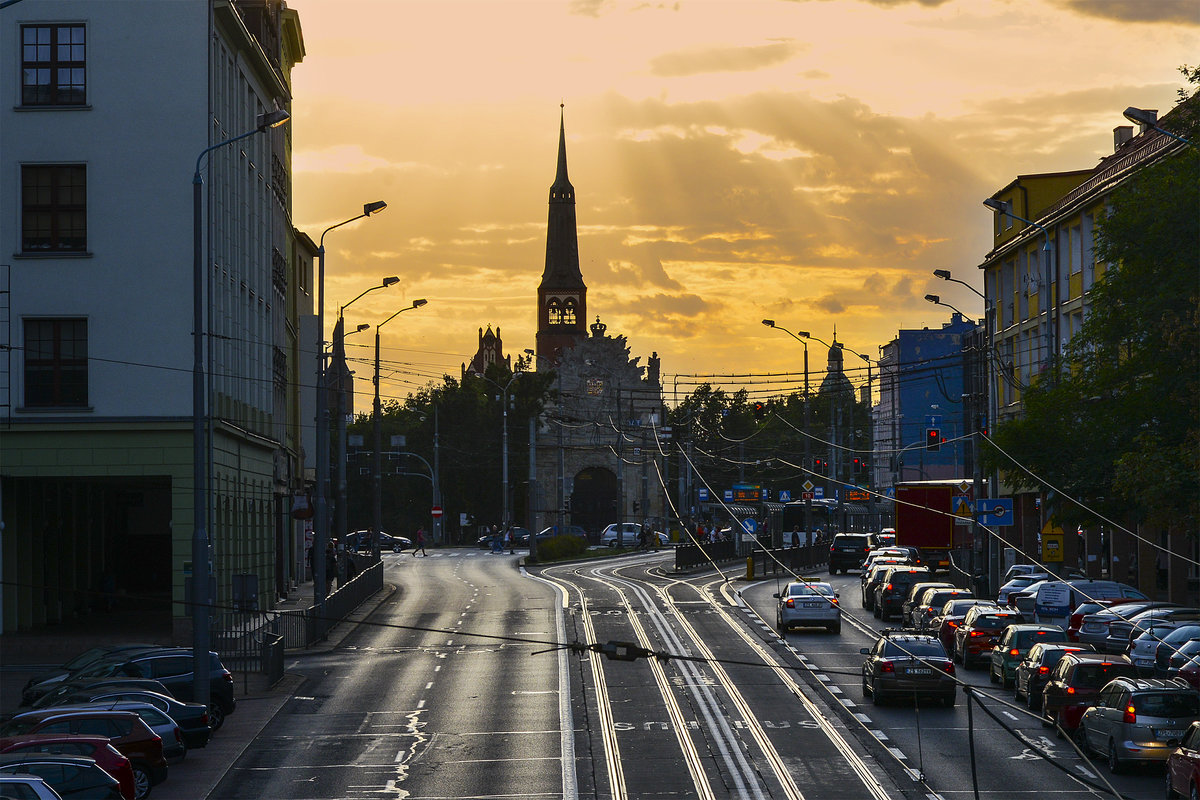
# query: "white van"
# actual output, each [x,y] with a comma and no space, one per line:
[1055,600]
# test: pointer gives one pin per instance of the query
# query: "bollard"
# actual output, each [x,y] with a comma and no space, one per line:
[749,568]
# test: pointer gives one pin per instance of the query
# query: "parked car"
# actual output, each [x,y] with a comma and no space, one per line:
[904,664]
[71,777]
[1183,766]
[192,718]
[1034,670]
[947,620]
[172,667]
[55,696]
[1093,629]
[1121,632]
[1190,673]
[361,542]
[1090,607]
[626,535]
[913,598]
[847,551]
[1187,654]
[1015,642]
[980,631]
[808,604]
[97,748]
[1170,644]
[26,787]
[893,587]
[931,605]
[1138,720]
[568,530]
[126,731]
[1145,641]
[1074,684]
[79,662]
[871,577]
[1019,569]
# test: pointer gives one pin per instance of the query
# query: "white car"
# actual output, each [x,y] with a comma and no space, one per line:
[625,534]
[808,604]
[1018,583]
[30,786]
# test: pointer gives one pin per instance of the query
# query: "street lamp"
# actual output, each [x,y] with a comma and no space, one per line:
[321,526]
[560,514]
[944,274]
[201,599]
[504,440]
[1149,119]
[801,337]
[341,524]
[377,435]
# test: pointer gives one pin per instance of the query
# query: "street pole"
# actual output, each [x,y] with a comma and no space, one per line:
[201,598]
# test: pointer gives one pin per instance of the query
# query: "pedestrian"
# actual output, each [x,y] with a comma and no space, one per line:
[330,566]
[497,541]
[796,536]
[419,544]
[509,539]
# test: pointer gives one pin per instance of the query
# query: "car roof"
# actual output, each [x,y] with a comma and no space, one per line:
[1091,657]
[58,711]
[1156,685]
[53,758]
[50,738]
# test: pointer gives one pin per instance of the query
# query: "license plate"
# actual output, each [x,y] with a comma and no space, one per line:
[1168,733]
[813,605]
[919,671]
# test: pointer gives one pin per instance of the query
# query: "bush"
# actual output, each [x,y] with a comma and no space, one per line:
[561,547]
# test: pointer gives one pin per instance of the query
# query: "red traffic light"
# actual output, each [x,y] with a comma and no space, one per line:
[933,439]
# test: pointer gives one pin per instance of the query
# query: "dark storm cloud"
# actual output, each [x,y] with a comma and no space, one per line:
[1180,12]
[723,59]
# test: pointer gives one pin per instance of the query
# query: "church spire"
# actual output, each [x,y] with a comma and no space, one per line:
[562,191]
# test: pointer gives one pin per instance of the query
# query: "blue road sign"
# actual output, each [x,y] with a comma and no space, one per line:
[995,512]
[750,524]
[729,495]
[703,494]
[785,496]
[819,492]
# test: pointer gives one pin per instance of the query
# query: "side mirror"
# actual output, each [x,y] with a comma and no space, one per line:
[837,594]
[866,651]
[775,595]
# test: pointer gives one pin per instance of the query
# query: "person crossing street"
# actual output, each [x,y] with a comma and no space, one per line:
[419,544]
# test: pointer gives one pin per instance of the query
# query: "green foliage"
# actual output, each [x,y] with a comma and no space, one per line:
[1119,426]
[559,548]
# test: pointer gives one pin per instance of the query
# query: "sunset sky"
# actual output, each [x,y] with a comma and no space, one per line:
[811,161]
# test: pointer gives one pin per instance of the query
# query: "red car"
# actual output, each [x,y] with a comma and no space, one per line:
[1183,766]
[980,632]
[946,623]
[1074,684]
[97,748]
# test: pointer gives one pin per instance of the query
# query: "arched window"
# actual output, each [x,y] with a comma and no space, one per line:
[569,315]
[554,311]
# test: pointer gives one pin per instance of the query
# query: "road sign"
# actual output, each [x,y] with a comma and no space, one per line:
[807,496]
[729,495]
[962,508]
[819,492]
[750,525]
[807,486]
[785,496]
[995,512]
[933,420]
[703,496]
[436,512]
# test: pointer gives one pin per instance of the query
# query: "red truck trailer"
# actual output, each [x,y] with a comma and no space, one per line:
[925,517]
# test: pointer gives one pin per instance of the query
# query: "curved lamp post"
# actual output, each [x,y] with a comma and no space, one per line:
[801,337]
[377,435]
[321,526]
[201,573]
[1149,119]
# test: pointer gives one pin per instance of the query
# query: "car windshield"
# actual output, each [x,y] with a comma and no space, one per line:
[1027,638]
[810,589]
[1168,704]
[1093,676]
[915,647]
[994,622]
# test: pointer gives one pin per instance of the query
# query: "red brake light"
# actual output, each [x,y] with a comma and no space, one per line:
[790,603]
[1070,690]
[1043,670]
[979,633]
[952,623]
[949,667]
[887,588]
[1130,715]
[1014,652]
[887,666]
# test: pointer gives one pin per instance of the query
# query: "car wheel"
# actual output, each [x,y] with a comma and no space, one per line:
[875,611]
[216,717]
[141,782]
[1170,794]
[866,689]
[1081,740]
[1195,792]
[877,696]
[783,629]
[948,700]
[1115,764]
[1004,680]
[992,674]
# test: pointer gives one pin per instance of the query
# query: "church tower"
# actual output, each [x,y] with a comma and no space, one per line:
[562,295]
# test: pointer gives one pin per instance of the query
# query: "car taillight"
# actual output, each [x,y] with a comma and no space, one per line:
[887,666]
[833,600]
[790,603]
[204,718]
[228,676]
[979,633]
[1043,670]
[1070,690]
[178,737]
[887,588]
[1130,715]
[952,623]
[1014,652]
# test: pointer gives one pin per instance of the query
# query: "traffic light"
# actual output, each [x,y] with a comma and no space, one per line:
[818,465]
[760,409]
[933,439]
[858,465]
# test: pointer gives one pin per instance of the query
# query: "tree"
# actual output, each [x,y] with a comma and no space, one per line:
[1117,424]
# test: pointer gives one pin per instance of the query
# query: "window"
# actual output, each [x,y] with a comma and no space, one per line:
[53,208]
[56,362]
[53,65]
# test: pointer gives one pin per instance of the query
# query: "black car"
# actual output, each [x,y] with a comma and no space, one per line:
[85,659]
[73,777]
[848,551]
[58,691]
[172,667]
[905,664]
[1034,670]
[893,588]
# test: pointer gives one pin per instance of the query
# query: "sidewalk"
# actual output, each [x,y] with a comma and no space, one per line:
[194,778]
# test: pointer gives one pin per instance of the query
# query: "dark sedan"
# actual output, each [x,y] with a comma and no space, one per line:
[902,664]
[1034,670]
[192,718]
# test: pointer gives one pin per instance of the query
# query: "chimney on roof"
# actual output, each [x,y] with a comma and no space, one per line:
[1121,135]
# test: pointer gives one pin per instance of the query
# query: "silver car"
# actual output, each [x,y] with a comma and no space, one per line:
[808,604]
[1138,720]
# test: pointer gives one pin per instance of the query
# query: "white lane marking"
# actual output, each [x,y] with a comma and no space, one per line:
[863,718]
[1010,715]
[438,668]
[898,753]
[420,704]
[399,756]
[429,686]
[880,735]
